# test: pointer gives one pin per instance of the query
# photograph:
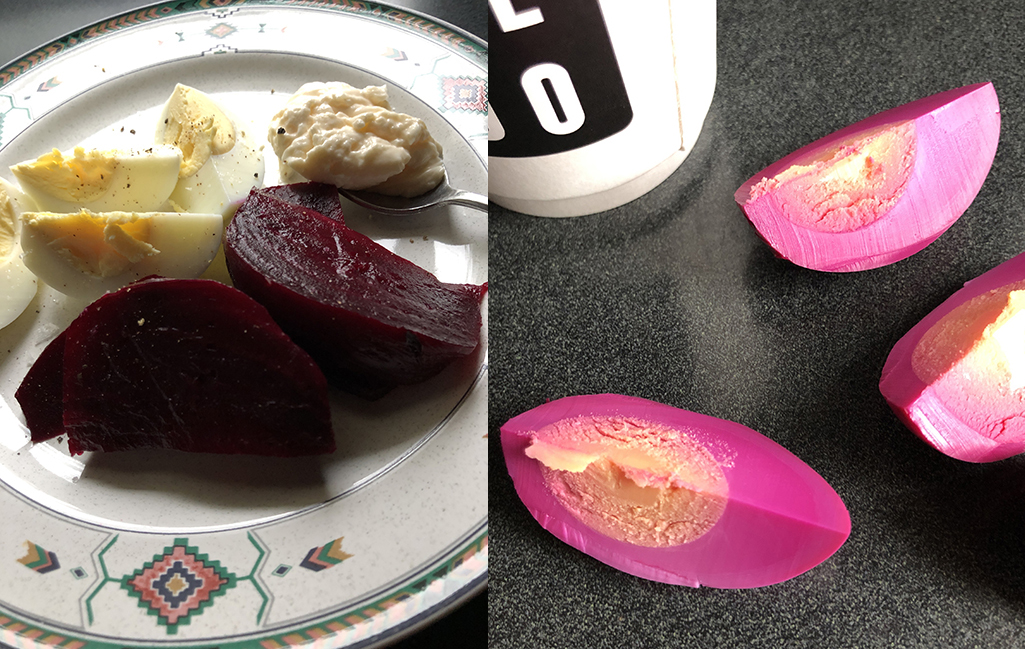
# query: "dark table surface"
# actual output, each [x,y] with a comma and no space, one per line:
[27,24]
[674,298]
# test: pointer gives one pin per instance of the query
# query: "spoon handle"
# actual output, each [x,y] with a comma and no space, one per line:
[468,199]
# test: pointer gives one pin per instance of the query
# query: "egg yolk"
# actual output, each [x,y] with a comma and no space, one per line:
[197,126]
[82,177]
[848,185]
[1009,332]
[973,359]
[637,482]
[979,332]
[99,245]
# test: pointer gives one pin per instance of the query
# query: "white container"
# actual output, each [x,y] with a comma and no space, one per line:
[592,103]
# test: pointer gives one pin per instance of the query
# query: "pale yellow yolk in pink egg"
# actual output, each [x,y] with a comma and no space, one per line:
[642,483]
[849,185]
[1009,333]
[974,359]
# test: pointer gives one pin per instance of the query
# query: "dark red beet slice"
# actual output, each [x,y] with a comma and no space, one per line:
[370,318]
[319,197]
[192,365]
[41,392]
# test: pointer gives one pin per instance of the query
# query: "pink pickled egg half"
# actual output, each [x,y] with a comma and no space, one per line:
[957,379]
[879,190]
[671,495]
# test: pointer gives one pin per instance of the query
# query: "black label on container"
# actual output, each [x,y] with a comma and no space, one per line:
[554,82]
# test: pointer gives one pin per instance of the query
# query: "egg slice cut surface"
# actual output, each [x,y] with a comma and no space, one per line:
[957,378]
[101,181]
[220,160]
[17,283]
[86,254]
[671,495]
[880,190]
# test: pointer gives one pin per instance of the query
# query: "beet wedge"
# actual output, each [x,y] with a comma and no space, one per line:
[319,197]
[191,365]
[41,393]
[370,318]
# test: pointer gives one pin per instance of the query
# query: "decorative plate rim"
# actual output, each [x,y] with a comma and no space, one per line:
[430,26]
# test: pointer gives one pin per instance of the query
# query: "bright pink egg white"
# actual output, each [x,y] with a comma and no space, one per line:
[671,495]
[879,190]
[957,378]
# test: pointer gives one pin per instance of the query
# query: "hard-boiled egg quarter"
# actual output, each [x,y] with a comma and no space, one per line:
[101,181]
[86,254]
[220,159]
[17,283]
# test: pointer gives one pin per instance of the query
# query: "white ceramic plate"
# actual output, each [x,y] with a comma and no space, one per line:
[352,549]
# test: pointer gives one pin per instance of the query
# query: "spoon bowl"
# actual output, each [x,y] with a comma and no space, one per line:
[443,194]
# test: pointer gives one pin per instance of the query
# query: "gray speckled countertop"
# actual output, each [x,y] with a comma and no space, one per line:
[674,298]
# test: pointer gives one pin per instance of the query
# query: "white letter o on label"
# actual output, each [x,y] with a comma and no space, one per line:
[532,82]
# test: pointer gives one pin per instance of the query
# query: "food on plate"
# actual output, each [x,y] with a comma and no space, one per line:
[671,495]
[638,482]
[370,318]
[17,283]
[101,181]
[86,254]
[351,138]
[184,364]
[41,393]
[956,378]
[879,190]
[318,197]
[220,160]
[163,359]
[107,217]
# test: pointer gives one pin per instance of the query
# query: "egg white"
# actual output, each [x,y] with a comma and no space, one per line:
[18,284]
[141,182]
[223,181]
[187,243]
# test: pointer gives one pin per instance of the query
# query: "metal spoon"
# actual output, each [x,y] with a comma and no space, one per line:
[400,205]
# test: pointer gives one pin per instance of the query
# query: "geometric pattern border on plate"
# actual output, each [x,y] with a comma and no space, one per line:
[371,9]
[183,560]
[14,116]
[177,584]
